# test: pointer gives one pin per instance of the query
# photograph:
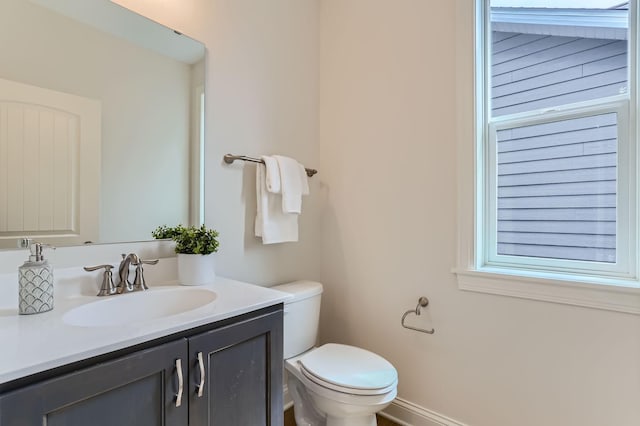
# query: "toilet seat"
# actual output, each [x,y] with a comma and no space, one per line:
[346,390]
[349,370]
[294,368]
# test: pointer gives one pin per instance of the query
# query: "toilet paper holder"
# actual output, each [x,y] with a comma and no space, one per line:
[423,302]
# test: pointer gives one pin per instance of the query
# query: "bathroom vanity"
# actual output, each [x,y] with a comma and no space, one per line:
[219,364]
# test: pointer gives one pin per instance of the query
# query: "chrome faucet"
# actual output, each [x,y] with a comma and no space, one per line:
[124,285]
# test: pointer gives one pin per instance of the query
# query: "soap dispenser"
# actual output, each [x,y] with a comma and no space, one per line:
[35,278]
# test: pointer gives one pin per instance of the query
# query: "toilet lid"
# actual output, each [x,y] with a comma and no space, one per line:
[349,369]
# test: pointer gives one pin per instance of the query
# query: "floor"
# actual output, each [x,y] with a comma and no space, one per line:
[289,420]
[383,421]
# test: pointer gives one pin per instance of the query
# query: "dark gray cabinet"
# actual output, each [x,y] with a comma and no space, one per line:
[240,367]
[238,362]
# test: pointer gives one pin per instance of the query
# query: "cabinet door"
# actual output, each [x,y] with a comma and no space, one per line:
[135,390]
[242,374]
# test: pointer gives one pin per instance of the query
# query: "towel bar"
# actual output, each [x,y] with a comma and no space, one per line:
[422,302]
[230,158]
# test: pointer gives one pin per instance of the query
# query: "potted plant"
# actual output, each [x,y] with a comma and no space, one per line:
[195,247]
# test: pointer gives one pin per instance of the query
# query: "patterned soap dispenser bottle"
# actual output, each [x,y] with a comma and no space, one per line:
[35,278]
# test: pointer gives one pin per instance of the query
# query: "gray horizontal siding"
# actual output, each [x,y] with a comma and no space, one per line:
[525,45]
[557,202]
[586,148]
[499,36]
[558,227]
[553,164]
[562,240]
[554,189]
[532,71]
[578,215]
[567,83]
[557,181]
[555,58]
[579,52]
[567,95]
[557,128]
[558,177]
[557,139]
[559,252]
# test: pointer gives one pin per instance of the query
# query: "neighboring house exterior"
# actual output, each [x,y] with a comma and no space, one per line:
[556,182]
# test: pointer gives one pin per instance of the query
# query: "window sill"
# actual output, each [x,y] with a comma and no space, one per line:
[591,292]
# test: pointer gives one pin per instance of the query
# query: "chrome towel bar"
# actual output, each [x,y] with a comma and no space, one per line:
[422,302]
[230,158]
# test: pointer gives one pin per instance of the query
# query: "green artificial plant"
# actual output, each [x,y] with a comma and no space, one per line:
[190,239]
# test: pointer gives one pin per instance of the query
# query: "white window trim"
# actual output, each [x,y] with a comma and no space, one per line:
[620,294]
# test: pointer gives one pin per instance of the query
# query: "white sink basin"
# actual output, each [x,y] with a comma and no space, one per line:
[140,306]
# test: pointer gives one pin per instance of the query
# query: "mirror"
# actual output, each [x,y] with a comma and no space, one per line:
[101,123]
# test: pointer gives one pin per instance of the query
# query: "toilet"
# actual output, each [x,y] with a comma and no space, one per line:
[334,384]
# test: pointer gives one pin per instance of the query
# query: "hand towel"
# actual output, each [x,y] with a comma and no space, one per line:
[272,224]
[273,174]
[291,184]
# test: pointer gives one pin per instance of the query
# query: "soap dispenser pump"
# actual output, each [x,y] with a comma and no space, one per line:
[35,279]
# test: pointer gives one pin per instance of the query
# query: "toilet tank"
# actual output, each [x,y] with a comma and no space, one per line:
[301,316]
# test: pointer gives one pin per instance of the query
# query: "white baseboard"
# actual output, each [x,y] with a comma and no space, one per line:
[403,412]
[407,413]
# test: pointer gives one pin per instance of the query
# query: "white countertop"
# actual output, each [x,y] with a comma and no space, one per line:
[35,343]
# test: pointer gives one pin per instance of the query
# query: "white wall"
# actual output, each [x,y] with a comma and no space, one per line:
[388,126]
[262,97]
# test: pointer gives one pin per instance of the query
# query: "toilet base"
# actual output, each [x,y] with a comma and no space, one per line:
[369,420]
[346,414]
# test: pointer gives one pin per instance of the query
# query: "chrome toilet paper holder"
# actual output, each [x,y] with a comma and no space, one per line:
[423,302]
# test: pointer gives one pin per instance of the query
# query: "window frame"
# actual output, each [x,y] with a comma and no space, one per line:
[606,286]
[625,252]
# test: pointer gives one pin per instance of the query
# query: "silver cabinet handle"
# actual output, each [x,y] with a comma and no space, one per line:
[201,384]
[180,382]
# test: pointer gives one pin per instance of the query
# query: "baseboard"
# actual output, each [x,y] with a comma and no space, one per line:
[403,412]
[407,413]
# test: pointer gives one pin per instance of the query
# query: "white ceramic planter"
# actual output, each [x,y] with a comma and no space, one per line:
[196,269]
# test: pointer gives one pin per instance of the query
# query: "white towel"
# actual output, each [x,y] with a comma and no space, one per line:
[273,174]
[293,183]
[272,224]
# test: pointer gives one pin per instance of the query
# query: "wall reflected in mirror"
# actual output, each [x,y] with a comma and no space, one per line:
[101,123]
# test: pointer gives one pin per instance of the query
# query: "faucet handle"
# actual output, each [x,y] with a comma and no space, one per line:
[107,288]
[95,268]
[139,282]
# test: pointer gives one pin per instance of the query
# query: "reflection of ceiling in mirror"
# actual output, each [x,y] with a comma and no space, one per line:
[116,20]
[151,113]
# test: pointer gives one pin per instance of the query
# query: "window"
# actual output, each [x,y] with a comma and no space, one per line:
[557,132]
[546,133]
